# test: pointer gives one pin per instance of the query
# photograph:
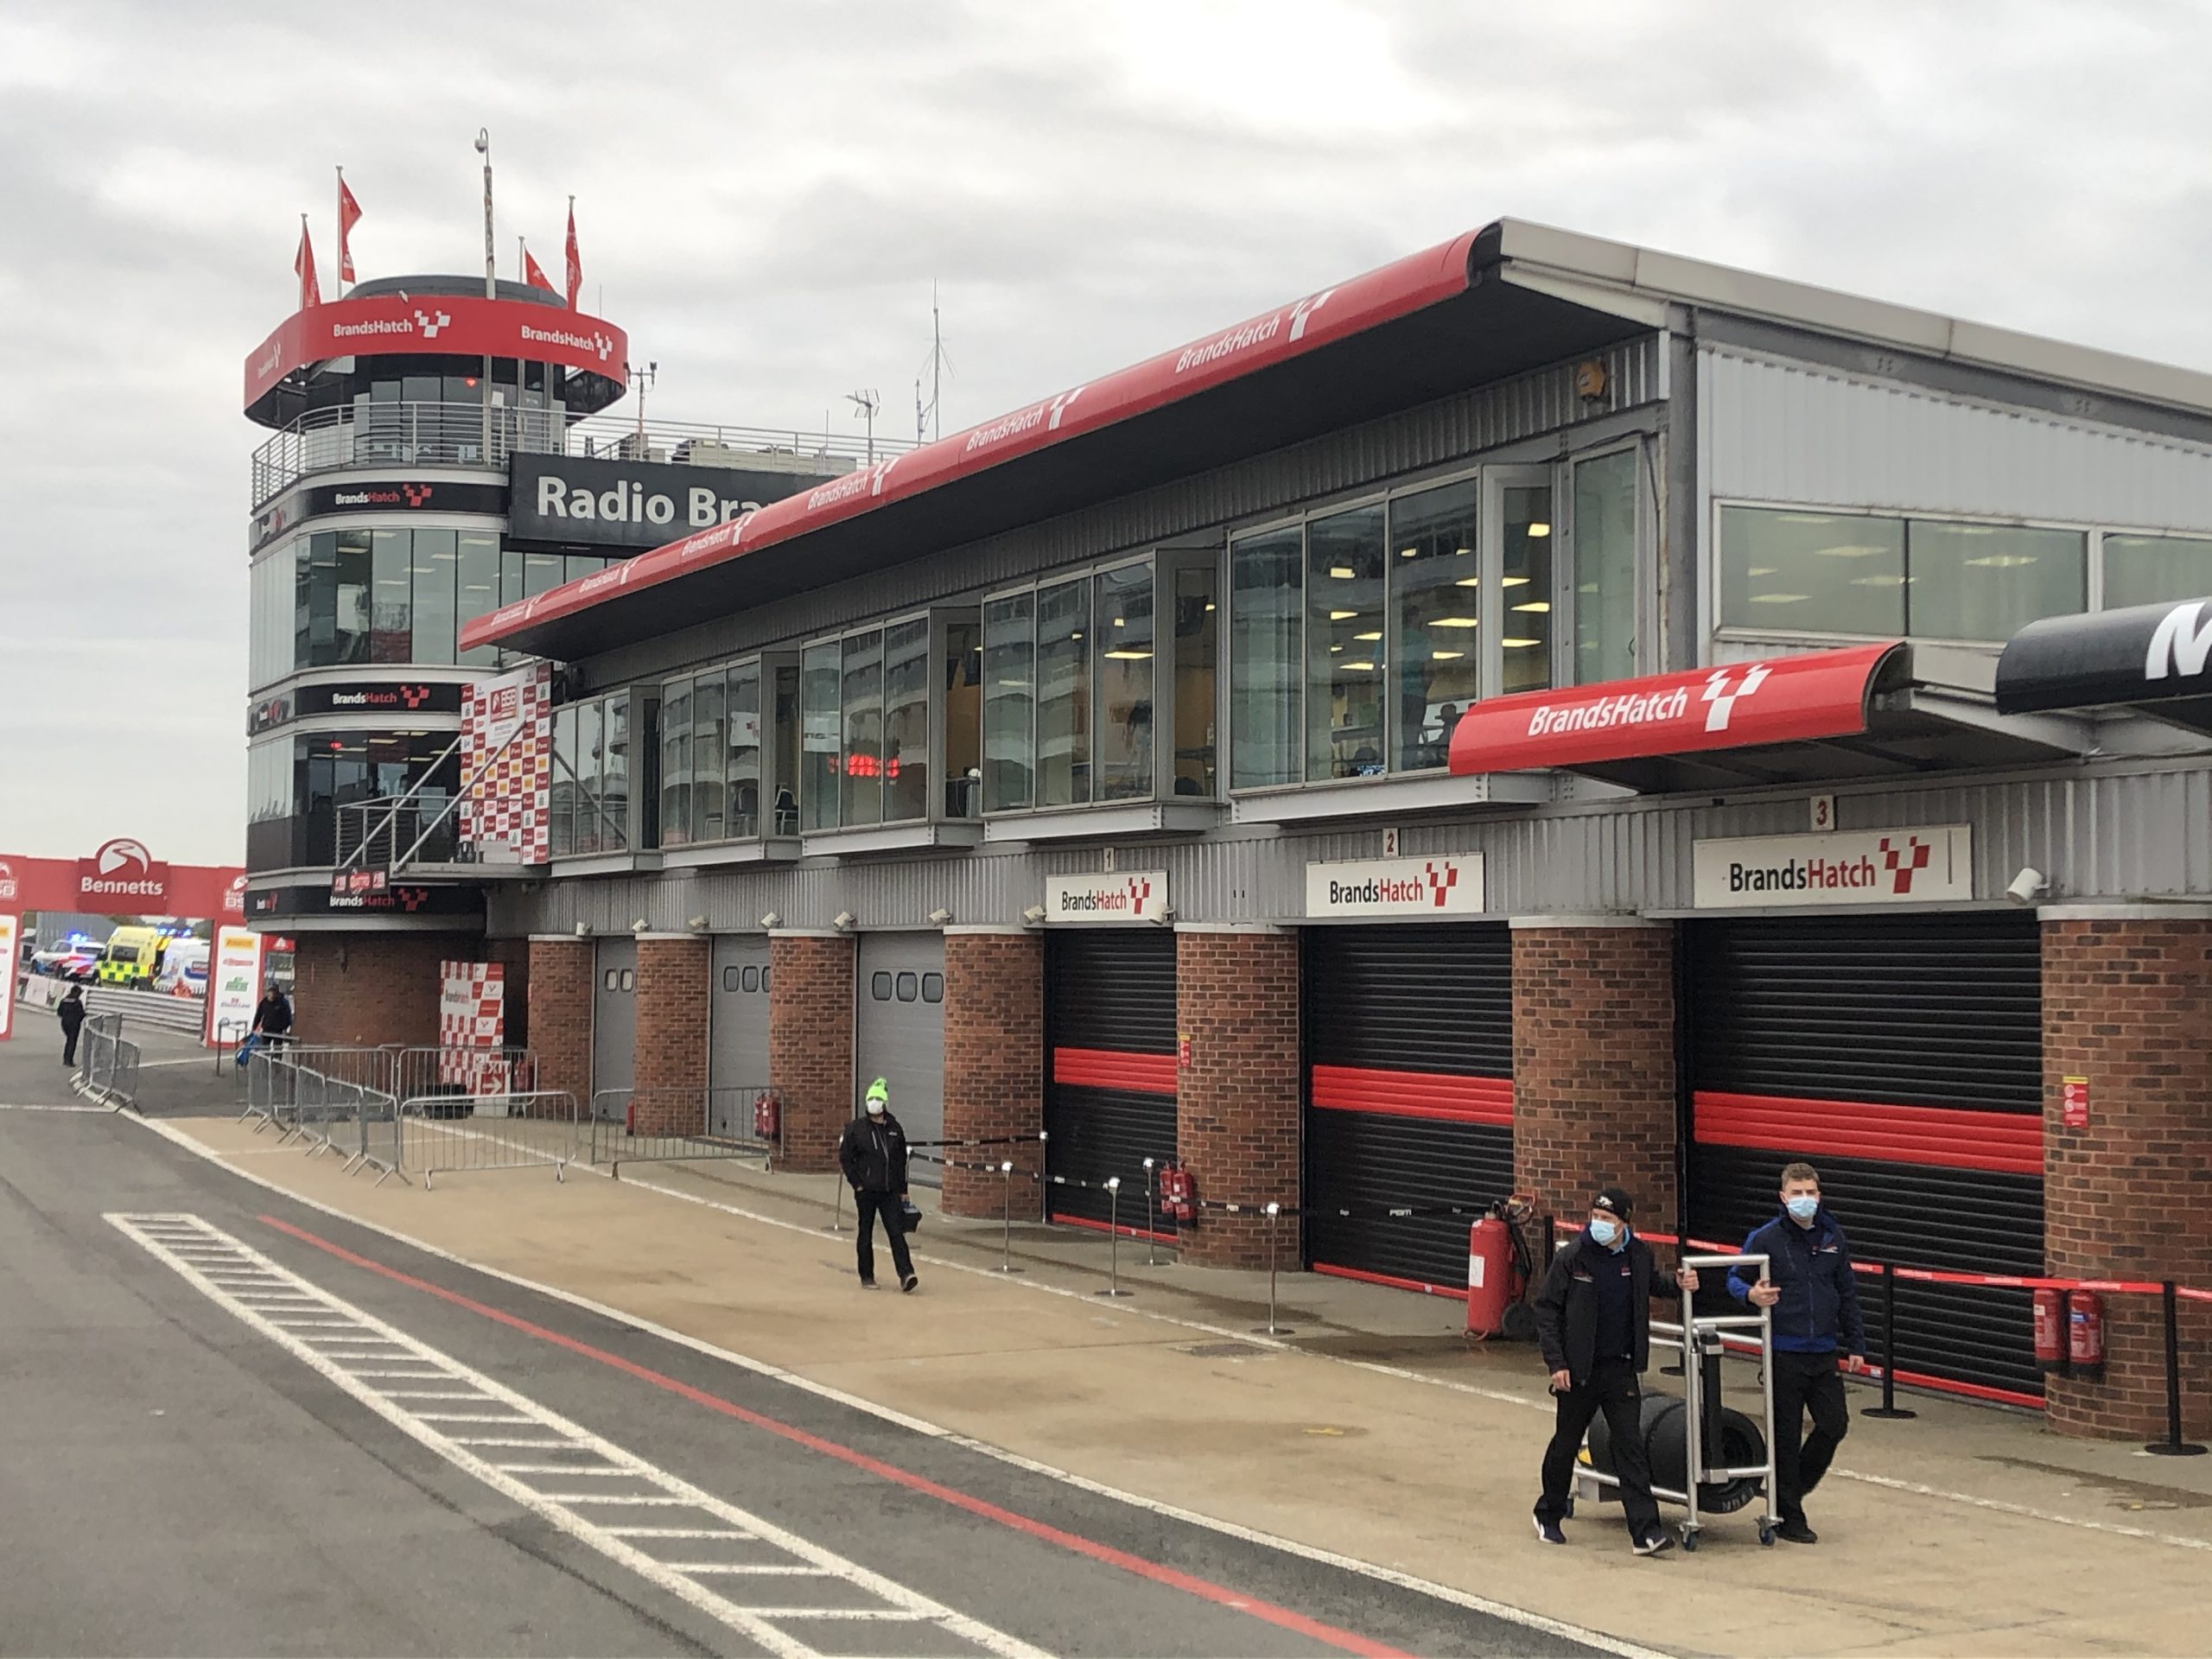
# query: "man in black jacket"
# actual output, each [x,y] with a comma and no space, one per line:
[873,1154]
[70,1012]
[1815,1298]
[1593,1322]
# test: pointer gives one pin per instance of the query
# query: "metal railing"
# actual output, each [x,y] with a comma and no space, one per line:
[436,1134]
[670,1125]
[459,434]
[107,1064]
[392,832]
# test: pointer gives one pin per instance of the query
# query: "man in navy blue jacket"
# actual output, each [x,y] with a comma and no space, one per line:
[1811,1289]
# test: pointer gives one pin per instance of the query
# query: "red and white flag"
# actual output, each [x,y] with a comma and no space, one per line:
[530,272]
[303,268]
[349,215]
[576,265]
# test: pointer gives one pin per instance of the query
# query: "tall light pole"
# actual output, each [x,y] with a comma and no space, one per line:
[490,286]
[641,377]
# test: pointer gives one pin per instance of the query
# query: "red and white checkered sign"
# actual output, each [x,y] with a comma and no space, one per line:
[472,1013]
[509,722]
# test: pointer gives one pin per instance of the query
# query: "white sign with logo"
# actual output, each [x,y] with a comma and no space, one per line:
[10,930]
[1119,896]
[233,985]
[1928,864]
[1441,885]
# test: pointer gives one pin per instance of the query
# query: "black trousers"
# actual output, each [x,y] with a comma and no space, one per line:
[887,1204]
[1614,1389]
[69,1045]
[1804,1381]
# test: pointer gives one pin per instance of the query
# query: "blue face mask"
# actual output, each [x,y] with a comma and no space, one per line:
[1803,1207]
[1606,1233]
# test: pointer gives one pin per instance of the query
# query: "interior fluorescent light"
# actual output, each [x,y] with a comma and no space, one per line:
[1130,655]
[1513,581]
[1520,644]
[1362,666]
[1407,552]
[1535,607]
[1462,552]
[1877,581]
[1341,572]
[1457,622]
[1342,616]
[1378,634]
[1468,581]
[2003,561]
[1852,550]
[1445,655]
[1540,530]
[1778,599]
[1336,647]
[1209,603]
[1760,571]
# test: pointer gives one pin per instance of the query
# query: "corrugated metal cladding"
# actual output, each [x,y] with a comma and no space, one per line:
[1394,1016]
[1109,1018]
[2119,832]
[1777,431]
[1433,435]
[1903,1056]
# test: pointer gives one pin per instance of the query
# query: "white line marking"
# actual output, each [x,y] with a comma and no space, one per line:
[749,1569]
[633,1321]
[834,1612]
[104,1111]
[677,1532]
[556,1509]
[564,1469]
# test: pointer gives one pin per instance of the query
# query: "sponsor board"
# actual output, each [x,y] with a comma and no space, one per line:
[233,985]
[573,498]
[378,495]
[123,871]
[1442,886]
[1123,896]
[1928,864]
[11,930]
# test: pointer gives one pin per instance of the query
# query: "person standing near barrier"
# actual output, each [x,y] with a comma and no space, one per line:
[1593,1322]
[873,1154]
[272,1018]
[1814,1296]
[70,1012]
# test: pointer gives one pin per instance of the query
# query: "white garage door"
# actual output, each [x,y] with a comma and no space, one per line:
[899,1032]
[737,1055]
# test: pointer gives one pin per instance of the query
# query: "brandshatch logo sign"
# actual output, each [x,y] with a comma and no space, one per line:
[1109,896]
[1930,864]
[1447,885]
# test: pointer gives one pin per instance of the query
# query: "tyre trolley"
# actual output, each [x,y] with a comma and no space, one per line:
[1706,1433]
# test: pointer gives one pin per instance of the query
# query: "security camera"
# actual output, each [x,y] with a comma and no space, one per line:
[2028,886]
[639,925]
[843,920]
[1034,915]
[772,920]
[483,140]
[1159,912]
[583,929]
[940,916]
[698,923]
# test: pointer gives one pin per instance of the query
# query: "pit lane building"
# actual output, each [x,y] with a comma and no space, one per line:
[1525,716]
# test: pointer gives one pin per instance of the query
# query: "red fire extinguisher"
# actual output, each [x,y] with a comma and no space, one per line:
[2050,1330]
[767,1117]
[2085,1335]
[1178,1197]
[1490,1289]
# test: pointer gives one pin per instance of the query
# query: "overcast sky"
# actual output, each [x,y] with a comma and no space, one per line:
[766,193]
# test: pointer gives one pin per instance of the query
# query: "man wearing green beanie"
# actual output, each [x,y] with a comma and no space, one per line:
[873,1154]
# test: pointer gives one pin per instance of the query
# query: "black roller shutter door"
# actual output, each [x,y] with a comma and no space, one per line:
[1903,1057]
[1409,1063]
[1109,1099]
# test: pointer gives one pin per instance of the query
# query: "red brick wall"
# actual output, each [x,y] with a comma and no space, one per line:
[994,1065]
[1593,1067]
[2127,1004]
[559,1014]
[811,1043]
[1238,1104]
[361,990]
[670,1070]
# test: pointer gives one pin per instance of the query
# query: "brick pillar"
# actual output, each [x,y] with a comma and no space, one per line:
[993,1063]
[1594,1063]
[670,1068]
[2127,1004]
[363,991]
[1237,1103]
[810,1042]
[559,1013]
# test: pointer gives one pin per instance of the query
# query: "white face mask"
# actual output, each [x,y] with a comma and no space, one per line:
[876,1108]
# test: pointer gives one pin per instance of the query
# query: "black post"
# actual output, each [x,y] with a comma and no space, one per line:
[1889,1408]
[2173,1446]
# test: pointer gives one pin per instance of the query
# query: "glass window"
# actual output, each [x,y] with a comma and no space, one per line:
[1009,703]
[755,978]
[909,987]
[1437,588]
[629,979]
[541,573]
[435,562]
[676,763]
[391,603]
[1605,569]
[1264,675]
[350,598]
[819,726]
[1343,645]
[479,594]
[1197,634]
[709,744]
[786,742]
[561,790]
[743,772]
[1063,694]
[861,667]
[1526,581]
[2145,569]
[1987,582]
[729,979]
[1812,572]
[1123,600]
[577,566]
[614,776]
[511,564]
[591,743]
[906,720]
[963,719]
[610,979]
[932,988]
[880,987]
[765,972]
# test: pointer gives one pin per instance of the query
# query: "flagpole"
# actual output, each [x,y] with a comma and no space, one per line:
[491,284]
[341,233]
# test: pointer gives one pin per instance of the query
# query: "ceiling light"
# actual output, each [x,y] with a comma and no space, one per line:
[1209,603]
[1407,552]
[1364,667]
[1342,616]
[1336,647]
[1852,550]
[1445,655]
[1130,655]
[1760,571]
[1457,622]
[1462,552]
[2002,561]
[1468,581]
[1520,644]
[1341,572]
[1118,622]
[1513,581]
[1378,634]
[1778,599]
[1540,530]
[1535,607]
[1877,581]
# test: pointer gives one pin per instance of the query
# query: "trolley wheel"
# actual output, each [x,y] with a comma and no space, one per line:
[1766,1534]
[1689,1540]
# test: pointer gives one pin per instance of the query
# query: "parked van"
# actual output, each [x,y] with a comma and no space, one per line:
[184,969]
[133,957]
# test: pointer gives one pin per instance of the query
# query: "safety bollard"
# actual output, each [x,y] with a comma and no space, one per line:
[1113,1239]
[837,1208]
[1889,1408]
[1149,1212]
[1006,1217]
[1044,1178]
[1271,1328]
[2173,1446]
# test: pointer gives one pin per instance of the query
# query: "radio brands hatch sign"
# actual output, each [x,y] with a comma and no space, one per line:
[1868,867]
[1441,885]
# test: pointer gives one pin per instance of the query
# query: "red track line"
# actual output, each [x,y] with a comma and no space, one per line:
[1204,1589]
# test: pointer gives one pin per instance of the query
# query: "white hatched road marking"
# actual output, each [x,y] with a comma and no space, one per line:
[161,1235]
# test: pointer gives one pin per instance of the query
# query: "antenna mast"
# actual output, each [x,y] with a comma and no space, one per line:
[929,418]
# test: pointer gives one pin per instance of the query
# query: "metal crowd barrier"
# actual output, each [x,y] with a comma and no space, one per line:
[444,1132]
[672,1125]
[107,1064]
[453,1071]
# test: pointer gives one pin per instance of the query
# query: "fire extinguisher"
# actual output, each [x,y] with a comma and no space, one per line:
[2085,1336]
[768,1118]
[2050,1330]
[1177,1198]
[1489,1274]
